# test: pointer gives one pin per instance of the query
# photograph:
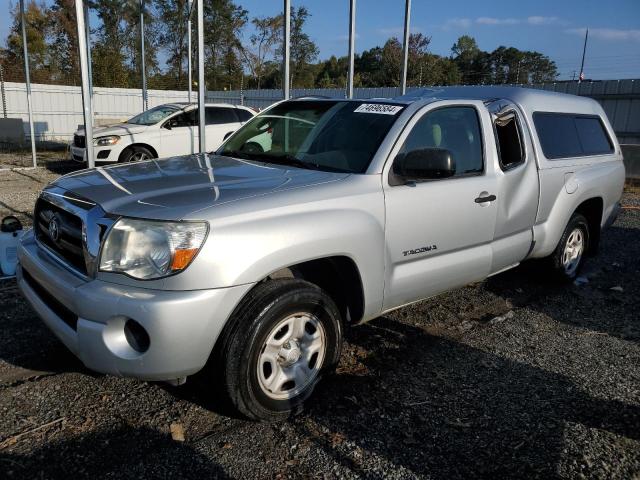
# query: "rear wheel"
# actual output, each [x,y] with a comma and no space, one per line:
[135,154]
[282,339]
[568,257]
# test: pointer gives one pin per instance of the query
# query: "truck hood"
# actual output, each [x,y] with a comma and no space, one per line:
[121,129]
[173,188]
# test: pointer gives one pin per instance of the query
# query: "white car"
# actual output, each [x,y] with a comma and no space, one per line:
[163,131]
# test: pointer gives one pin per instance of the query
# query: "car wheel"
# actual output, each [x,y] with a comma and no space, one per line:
[135,154]
[282,339]
[568,257]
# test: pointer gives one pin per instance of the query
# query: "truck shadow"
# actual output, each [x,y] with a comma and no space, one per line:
[593,305]
[437,407]
[124,452]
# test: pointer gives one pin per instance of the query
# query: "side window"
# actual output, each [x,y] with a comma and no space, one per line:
[219,115]
[243,115]
[186,119]
[593,137]
[509,140]
[566,135]
[456,129]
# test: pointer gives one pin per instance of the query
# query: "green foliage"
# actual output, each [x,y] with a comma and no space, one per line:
[503,65]
[230,62]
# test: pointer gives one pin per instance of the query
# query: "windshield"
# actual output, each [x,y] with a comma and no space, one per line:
[153,116]
[333,135]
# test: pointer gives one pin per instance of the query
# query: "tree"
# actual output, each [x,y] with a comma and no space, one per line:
[172,15]
[268,33]
[65,64]
[223,22]
[38,29]
[303,50]
[470,60]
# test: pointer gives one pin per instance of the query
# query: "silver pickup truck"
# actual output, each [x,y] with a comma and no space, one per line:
[248,263]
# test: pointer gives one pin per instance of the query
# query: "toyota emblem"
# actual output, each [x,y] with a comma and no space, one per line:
[54,229]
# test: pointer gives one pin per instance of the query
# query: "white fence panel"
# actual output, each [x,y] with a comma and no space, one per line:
[57,109]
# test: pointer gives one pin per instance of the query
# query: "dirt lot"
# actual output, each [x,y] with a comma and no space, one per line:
[512,377]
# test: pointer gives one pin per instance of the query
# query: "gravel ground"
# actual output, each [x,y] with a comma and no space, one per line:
[511,377]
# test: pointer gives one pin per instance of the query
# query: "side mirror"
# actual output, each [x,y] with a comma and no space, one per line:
[227,135]
[424,164]
[167,125]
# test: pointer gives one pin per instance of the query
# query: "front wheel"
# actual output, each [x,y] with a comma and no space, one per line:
[568,257]
[135,154]
[282,339]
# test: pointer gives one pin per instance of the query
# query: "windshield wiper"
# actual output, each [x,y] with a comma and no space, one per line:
[287,160]
[277,159]
[235,154]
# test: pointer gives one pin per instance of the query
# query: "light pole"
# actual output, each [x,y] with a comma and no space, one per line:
[287,49]
[201,117]
[27,76]
[145,101]
[84,74]
[352,42]
[405,48]
[189,67]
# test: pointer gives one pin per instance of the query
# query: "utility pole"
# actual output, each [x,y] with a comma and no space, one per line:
[352,43]
[584,52]
[405,53]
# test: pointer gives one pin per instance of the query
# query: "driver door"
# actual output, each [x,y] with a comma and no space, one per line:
[179,135]
[439,232]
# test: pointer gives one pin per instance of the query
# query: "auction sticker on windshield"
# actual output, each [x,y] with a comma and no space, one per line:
[378,108]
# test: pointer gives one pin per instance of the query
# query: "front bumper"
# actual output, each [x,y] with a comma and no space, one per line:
[101,154]
[182,325]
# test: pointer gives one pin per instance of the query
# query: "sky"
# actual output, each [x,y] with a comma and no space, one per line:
[553,27]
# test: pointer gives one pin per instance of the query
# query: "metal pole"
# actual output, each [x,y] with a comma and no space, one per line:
[4,98]
[287,49]
[145,102]
[352,44]
[84,75]
[201,129]
[189,67]
[405,47]
[88,36]
[584,51]
[28,82]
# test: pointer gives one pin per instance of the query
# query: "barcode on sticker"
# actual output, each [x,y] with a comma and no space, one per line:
[378,108]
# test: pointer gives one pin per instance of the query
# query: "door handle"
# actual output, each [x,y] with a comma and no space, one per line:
[488,198]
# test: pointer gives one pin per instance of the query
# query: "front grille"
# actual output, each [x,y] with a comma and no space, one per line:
[78,140]
[49,300]
[60,231]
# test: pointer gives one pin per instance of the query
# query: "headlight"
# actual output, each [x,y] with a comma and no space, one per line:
[147,249]
[106,141]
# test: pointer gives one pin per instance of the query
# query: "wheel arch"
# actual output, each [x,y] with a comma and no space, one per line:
[138,144]
[592,209]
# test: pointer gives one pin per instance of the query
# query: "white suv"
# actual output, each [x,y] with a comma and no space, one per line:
[164,131]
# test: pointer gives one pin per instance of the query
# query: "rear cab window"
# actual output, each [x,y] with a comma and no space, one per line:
[565,135]
[220,115]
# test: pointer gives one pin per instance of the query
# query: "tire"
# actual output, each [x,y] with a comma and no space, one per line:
[246,359]
[135,154]
[568,257]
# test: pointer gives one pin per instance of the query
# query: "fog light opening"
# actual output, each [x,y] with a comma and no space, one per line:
[136,336]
